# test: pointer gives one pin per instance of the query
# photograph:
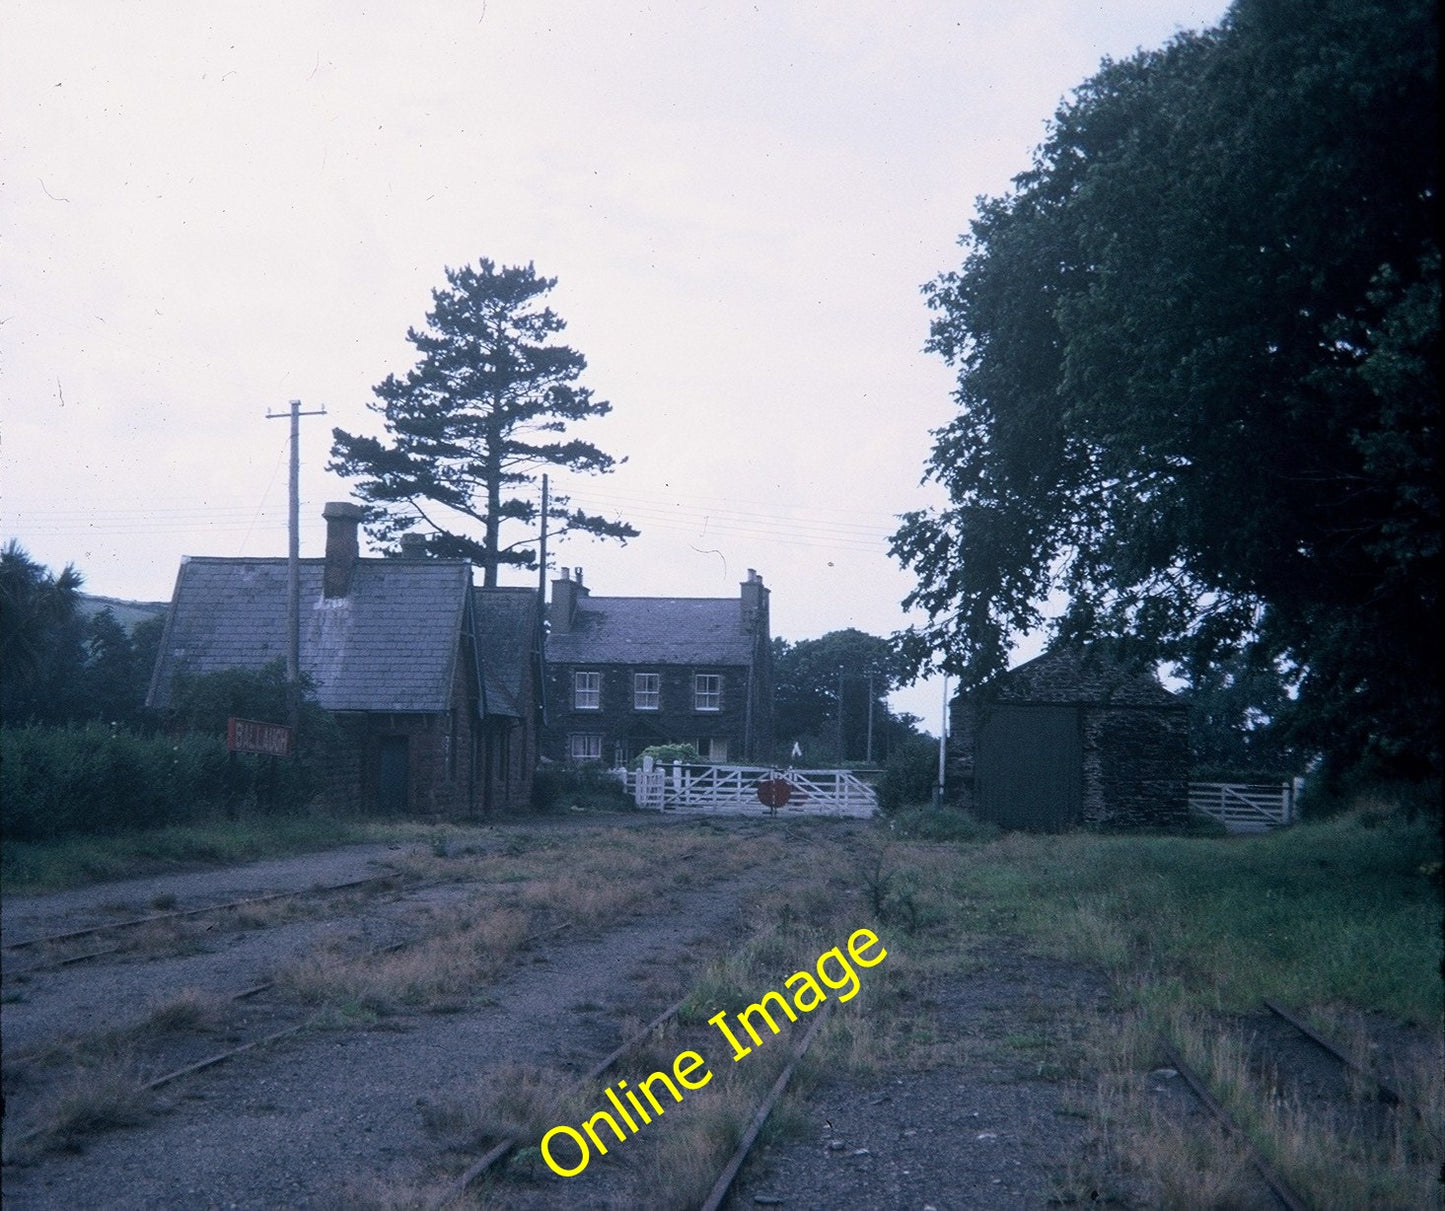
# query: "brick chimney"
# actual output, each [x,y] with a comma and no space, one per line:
[754,603]
[413,546]
[342,548]
[566,592]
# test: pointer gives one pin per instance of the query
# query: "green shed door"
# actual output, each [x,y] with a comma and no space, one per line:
[1029,767]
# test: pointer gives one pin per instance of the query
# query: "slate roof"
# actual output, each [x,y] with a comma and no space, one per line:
[1079,675]
[506,624]
[390,645]
[654,630]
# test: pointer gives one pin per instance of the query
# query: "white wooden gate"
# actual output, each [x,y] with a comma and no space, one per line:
[1243,807]
[733,789]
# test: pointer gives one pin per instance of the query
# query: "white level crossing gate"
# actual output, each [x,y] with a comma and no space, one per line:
[733,790]
[1243,807]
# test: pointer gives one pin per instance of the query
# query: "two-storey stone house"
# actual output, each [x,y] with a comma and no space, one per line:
[626,673]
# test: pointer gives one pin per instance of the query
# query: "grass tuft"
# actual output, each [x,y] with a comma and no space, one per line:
[101,1096]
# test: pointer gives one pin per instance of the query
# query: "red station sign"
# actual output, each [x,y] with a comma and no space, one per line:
[252,736]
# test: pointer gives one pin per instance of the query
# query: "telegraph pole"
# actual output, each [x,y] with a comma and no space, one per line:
[870,717]
[942,746]
[293,572]
[542,544]
[542,716]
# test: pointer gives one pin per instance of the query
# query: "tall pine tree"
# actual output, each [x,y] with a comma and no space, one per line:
[471,427]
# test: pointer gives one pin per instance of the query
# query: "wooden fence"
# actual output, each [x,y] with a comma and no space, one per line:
[733,790]
[1244,807]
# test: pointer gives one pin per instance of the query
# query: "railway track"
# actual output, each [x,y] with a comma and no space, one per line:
[267,1030]
[718,1192]
[157,918]
[1348,1068]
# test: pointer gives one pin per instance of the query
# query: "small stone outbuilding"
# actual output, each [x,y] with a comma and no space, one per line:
[1072,738]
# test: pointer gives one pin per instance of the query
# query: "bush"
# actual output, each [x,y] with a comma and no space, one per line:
[909,775]
[666,754]
[589,787]
[62,782]
[942,824]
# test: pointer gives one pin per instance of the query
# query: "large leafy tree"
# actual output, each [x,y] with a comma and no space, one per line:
[42,639]
[1198,376]
[479,418]
[826,690]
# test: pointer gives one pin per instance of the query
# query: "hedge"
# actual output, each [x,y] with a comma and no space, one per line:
[61,782]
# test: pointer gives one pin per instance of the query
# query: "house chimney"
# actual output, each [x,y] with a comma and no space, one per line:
[342,549]
[754,603]
[564,603]
[413,546]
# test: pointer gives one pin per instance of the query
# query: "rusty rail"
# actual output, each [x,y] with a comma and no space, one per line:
[1387,1094]
[1272,1178]
[501,1149]
[765,1108]
[191,912]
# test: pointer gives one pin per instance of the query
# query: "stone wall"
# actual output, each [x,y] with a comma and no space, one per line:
[1136,767]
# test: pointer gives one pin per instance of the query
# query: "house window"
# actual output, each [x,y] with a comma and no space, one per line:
[587,691]
[707,692]
[585,747]
[646,691]
[714,749]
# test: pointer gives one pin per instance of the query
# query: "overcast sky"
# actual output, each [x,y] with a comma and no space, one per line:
[208,210]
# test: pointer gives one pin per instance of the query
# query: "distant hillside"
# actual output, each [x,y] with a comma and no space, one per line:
[127,613]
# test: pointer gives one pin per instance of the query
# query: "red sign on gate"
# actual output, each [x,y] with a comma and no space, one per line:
[775,792]
[252,736]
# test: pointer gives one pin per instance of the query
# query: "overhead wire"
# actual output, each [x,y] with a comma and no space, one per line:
[806,525]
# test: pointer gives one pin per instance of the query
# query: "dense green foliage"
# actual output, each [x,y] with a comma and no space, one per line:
[202,703]
[58,782]
[473,423]
[824,691]
[910,774]
[583,787]
[667,753]
[1198,368]
[60,665]
[1232,706]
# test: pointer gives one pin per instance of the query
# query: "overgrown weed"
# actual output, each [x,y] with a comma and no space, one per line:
[99,1094]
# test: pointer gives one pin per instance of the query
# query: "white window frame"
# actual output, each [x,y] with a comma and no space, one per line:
[707,692]
[585,746]
[646,699]
[586,691]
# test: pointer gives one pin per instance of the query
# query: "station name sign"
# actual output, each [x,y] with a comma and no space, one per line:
[252,736]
